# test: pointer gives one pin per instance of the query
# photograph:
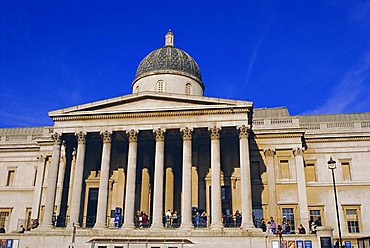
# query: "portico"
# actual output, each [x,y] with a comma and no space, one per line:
[173,141]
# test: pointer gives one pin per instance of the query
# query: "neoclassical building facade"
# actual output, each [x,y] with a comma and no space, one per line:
[168,148]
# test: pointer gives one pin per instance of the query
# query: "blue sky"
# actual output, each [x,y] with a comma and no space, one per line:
[310,56]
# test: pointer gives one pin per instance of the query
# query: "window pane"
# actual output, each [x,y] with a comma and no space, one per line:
[4,218]
[288,216]
[352,221]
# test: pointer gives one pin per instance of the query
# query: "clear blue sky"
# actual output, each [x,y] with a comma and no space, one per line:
[310,56]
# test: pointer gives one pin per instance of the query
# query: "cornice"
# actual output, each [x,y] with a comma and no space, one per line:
[336,139]
[19,148]
[278,135]
[152,114]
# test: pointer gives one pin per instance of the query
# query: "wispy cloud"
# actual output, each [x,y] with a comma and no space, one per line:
[351,94]
[254,54]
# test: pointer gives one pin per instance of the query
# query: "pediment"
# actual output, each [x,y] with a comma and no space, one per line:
[149,102]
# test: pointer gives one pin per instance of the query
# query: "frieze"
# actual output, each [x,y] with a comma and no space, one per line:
[153,114]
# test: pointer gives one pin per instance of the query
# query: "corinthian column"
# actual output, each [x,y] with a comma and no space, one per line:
[186,217]
[246,187]
[301,184]
[36,200]
[52,181]
[216,204]
[130,184]
[158,179]
[77,180]
[271,185]
[101,215]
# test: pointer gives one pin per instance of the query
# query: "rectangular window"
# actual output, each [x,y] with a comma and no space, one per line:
[4,217]
[10,178]
[284,169]
[288,217]
[316,218]
[352,220]
[34,178]
[257,216]
[310,172]
[28,219]
[346,170]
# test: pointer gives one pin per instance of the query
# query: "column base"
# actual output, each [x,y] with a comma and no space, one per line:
[247,226]
[44,227]
[127,226]
[217,227]
[156,227]
[186,226]
[100,226]
[70,225]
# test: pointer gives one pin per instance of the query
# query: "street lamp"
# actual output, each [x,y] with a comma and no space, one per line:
[332,165]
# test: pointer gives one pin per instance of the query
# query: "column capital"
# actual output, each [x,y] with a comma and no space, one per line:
[81,137]
[132,135]
[107,136]
[57,138]
[186,133]
[243,132]
[159,135]
[42,158]
[214,133]
[269,152]
[298,151]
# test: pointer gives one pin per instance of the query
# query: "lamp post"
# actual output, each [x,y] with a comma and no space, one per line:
[332,165]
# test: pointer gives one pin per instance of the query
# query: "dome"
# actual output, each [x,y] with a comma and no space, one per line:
[169,60]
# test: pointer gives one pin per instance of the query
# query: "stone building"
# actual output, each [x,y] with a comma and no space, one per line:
[168,147]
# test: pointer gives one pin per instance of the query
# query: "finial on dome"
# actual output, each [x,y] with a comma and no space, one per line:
[169,38]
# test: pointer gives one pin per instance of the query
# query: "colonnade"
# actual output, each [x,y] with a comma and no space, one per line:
[158,211]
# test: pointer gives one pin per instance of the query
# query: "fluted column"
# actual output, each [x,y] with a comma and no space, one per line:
[216,204]
[101,215]
[301,185]
[270,170]
[36,200]
[158,179]
[52,182]
[246,187]
[77,180]
[186,214]
[60,182]
[130,182]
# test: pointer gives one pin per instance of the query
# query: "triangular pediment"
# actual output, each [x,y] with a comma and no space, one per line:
[149,102]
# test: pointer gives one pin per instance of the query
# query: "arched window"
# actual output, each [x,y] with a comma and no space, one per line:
[160,86]
[188,89]
[137,89]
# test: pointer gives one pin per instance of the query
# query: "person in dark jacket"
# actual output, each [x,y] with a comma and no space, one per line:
[301,229]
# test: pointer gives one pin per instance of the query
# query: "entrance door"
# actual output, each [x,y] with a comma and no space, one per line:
[92,206]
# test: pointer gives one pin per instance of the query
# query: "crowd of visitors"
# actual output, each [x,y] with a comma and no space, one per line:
[285,227]
[141,219]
